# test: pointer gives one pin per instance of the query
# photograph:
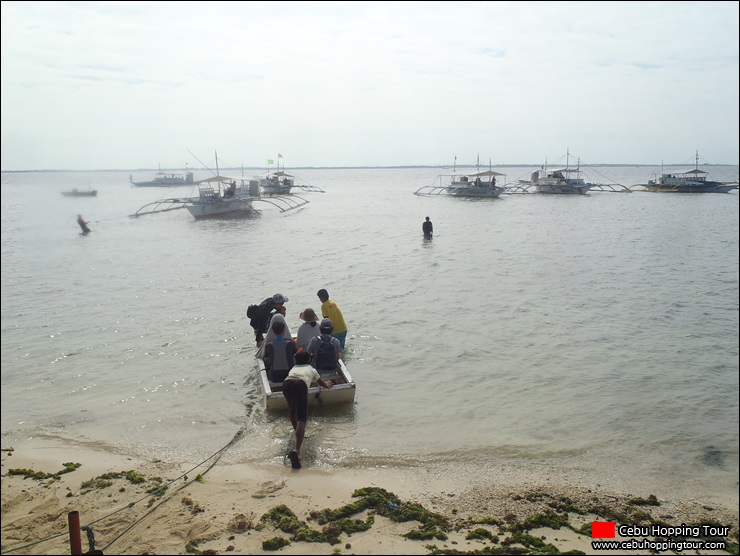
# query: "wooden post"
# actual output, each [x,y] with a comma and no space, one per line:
[75,539]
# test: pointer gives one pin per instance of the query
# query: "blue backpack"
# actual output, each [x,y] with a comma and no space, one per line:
[326,355]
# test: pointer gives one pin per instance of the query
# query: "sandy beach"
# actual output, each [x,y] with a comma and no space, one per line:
[216,509]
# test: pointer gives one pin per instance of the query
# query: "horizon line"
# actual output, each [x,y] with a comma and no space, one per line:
[445,166]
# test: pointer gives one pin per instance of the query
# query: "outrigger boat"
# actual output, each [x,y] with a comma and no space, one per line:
[342,391]
[693,181]
[280,182]
[562,181]
[221,197]
[221,202]
[479,184]
[162,179]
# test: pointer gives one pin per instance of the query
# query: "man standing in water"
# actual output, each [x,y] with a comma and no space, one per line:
[427,228]
[82,224]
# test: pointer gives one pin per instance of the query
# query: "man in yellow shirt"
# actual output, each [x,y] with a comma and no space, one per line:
[330,310]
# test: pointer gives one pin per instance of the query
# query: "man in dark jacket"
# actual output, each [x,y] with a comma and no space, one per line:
[260,320]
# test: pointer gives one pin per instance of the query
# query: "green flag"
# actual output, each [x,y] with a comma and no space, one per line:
[271,161]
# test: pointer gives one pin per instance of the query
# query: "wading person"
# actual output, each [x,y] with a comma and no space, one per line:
[295,390]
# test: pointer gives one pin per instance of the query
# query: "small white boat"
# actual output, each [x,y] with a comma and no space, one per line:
[343,391]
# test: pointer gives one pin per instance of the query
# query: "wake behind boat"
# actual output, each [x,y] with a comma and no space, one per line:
[692,181]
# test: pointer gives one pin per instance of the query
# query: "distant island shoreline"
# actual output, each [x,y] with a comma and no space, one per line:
[294,168]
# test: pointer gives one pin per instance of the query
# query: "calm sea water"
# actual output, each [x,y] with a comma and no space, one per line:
[596,333]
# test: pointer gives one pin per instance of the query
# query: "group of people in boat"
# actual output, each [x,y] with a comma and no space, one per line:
[297,362]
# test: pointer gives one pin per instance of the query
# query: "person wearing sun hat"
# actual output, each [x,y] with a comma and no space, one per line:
[308,329]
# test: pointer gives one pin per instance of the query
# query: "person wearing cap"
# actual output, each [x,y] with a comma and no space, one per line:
[330,310]
[308,329]
[295,390]
[264,312]
[326,327]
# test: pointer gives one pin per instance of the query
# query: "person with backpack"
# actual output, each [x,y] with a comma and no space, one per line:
[278,315]
[260,315]
[295,390]
[324,349]
[280,353]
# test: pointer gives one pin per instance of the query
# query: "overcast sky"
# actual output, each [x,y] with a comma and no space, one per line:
[129,85]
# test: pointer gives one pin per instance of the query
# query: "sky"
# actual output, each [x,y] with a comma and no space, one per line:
[138,85]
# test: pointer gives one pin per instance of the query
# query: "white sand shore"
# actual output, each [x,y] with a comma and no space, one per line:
[216,513]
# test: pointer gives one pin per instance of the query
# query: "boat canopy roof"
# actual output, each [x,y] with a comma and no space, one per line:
[282,174]
[215,179]
[568,170]
[487,173]
[696,171]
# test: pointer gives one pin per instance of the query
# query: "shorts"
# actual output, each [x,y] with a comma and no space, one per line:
[296,394]
[341,336]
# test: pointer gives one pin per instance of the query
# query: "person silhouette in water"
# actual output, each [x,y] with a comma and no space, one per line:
[427,228]
[83,224]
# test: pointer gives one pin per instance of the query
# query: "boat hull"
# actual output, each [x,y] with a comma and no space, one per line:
[342,393]
[665,188]
[269,190]
[476,192]
[165,180]
[563,189]
[203,207]
[92,193]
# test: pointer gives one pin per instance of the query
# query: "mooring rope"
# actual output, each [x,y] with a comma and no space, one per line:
[88,529]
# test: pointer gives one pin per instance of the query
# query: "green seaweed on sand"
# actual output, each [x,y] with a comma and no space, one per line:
[42,476]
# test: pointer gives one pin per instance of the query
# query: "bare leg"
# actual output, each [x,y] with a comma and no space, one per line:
[293,417]
[300,431]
